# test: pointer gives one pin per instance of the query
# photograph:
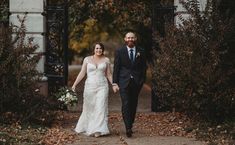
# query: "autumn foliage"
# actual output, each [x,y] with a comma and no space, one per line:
[19,92]
[193,73]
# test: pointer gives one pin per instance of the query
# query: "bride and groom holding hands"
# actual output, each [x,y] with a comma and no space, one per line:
[128,76]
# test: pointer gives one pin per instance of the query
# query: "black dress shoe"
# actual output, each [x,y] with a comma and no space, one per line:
[129,133]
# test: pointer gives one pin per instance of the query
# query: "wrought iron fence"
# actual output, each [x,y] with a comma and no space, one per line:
[56,46]
[4,13]
[161,16]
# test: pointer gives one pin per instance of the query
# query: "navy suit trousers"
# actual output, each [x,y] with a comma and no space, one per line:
[129,97]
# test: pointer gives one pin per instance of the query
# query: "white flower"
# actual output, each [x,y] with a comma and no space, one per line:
[68,97]
[138,54]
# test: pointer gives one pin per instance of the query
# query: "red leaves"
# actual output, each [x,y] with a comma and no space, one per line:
[57,136]
[155,124]
[21,134]
[146,124]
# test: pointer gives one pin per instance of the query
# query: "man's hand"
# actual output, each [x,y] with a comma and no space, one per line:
[115,88]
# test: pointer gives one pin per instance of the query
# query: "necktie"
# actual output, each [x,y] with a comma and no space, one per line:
[131,55]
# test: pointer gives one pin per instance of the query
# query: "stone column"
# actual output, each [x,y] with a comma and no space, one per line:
[35,27]
[180,10]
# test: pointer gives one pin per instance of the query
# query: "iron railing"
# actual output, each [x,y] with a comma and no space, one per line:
[57,46]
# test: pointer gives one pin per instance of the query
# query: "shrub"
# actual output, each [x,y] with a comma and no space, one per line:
[18,83]
[192,72]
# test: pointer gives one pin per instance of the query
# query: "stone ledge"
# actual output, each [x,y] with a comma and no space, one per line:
[27,5]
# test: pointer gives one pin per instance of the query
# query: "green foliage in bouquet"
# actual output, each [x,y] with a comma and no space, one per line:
[66,96]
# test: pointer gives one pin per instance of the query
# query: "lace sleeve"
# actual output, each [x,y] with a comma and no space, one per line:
[108,71]
[82,73]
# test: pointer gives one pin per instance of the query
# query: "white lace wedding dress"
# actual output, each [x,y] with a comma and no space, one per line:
[94,117]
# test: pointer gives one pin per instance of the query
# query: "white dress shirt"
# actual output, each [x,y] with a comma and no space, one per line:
[129,52]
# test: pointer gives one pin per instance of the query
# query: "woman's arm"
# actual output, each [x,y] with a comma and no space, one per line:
[81,74]
[108,72]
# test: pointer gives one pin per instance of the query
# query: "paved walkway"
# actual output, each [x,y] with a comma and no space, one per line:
[141,136]
[136,140]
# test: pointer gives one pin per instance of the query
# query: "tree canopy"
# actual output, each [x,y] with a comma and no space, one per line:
[101,20]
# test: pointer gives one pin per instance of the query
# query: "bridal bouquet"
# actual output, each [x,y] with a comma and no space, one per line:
[67,96]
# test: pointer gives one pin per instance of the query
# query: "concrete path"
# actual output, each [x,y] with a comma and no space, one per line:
[138,139]
[117,136]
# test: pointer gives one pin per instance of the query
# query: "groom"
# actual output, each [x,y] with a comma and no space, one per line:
[128,77]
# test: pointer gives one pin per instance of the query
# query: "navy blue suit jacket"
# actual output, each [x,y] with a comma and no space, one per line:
[124,69]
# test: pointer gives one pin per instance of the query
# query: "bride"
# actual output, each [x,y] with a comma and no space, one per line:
[94,118]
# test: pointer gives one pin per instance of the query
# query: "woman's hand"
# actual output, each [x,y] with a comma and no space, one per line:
[73,88]
[115,88]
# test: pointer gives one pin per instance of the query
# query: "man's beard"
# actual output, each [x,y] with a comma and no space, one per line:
[130,43]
